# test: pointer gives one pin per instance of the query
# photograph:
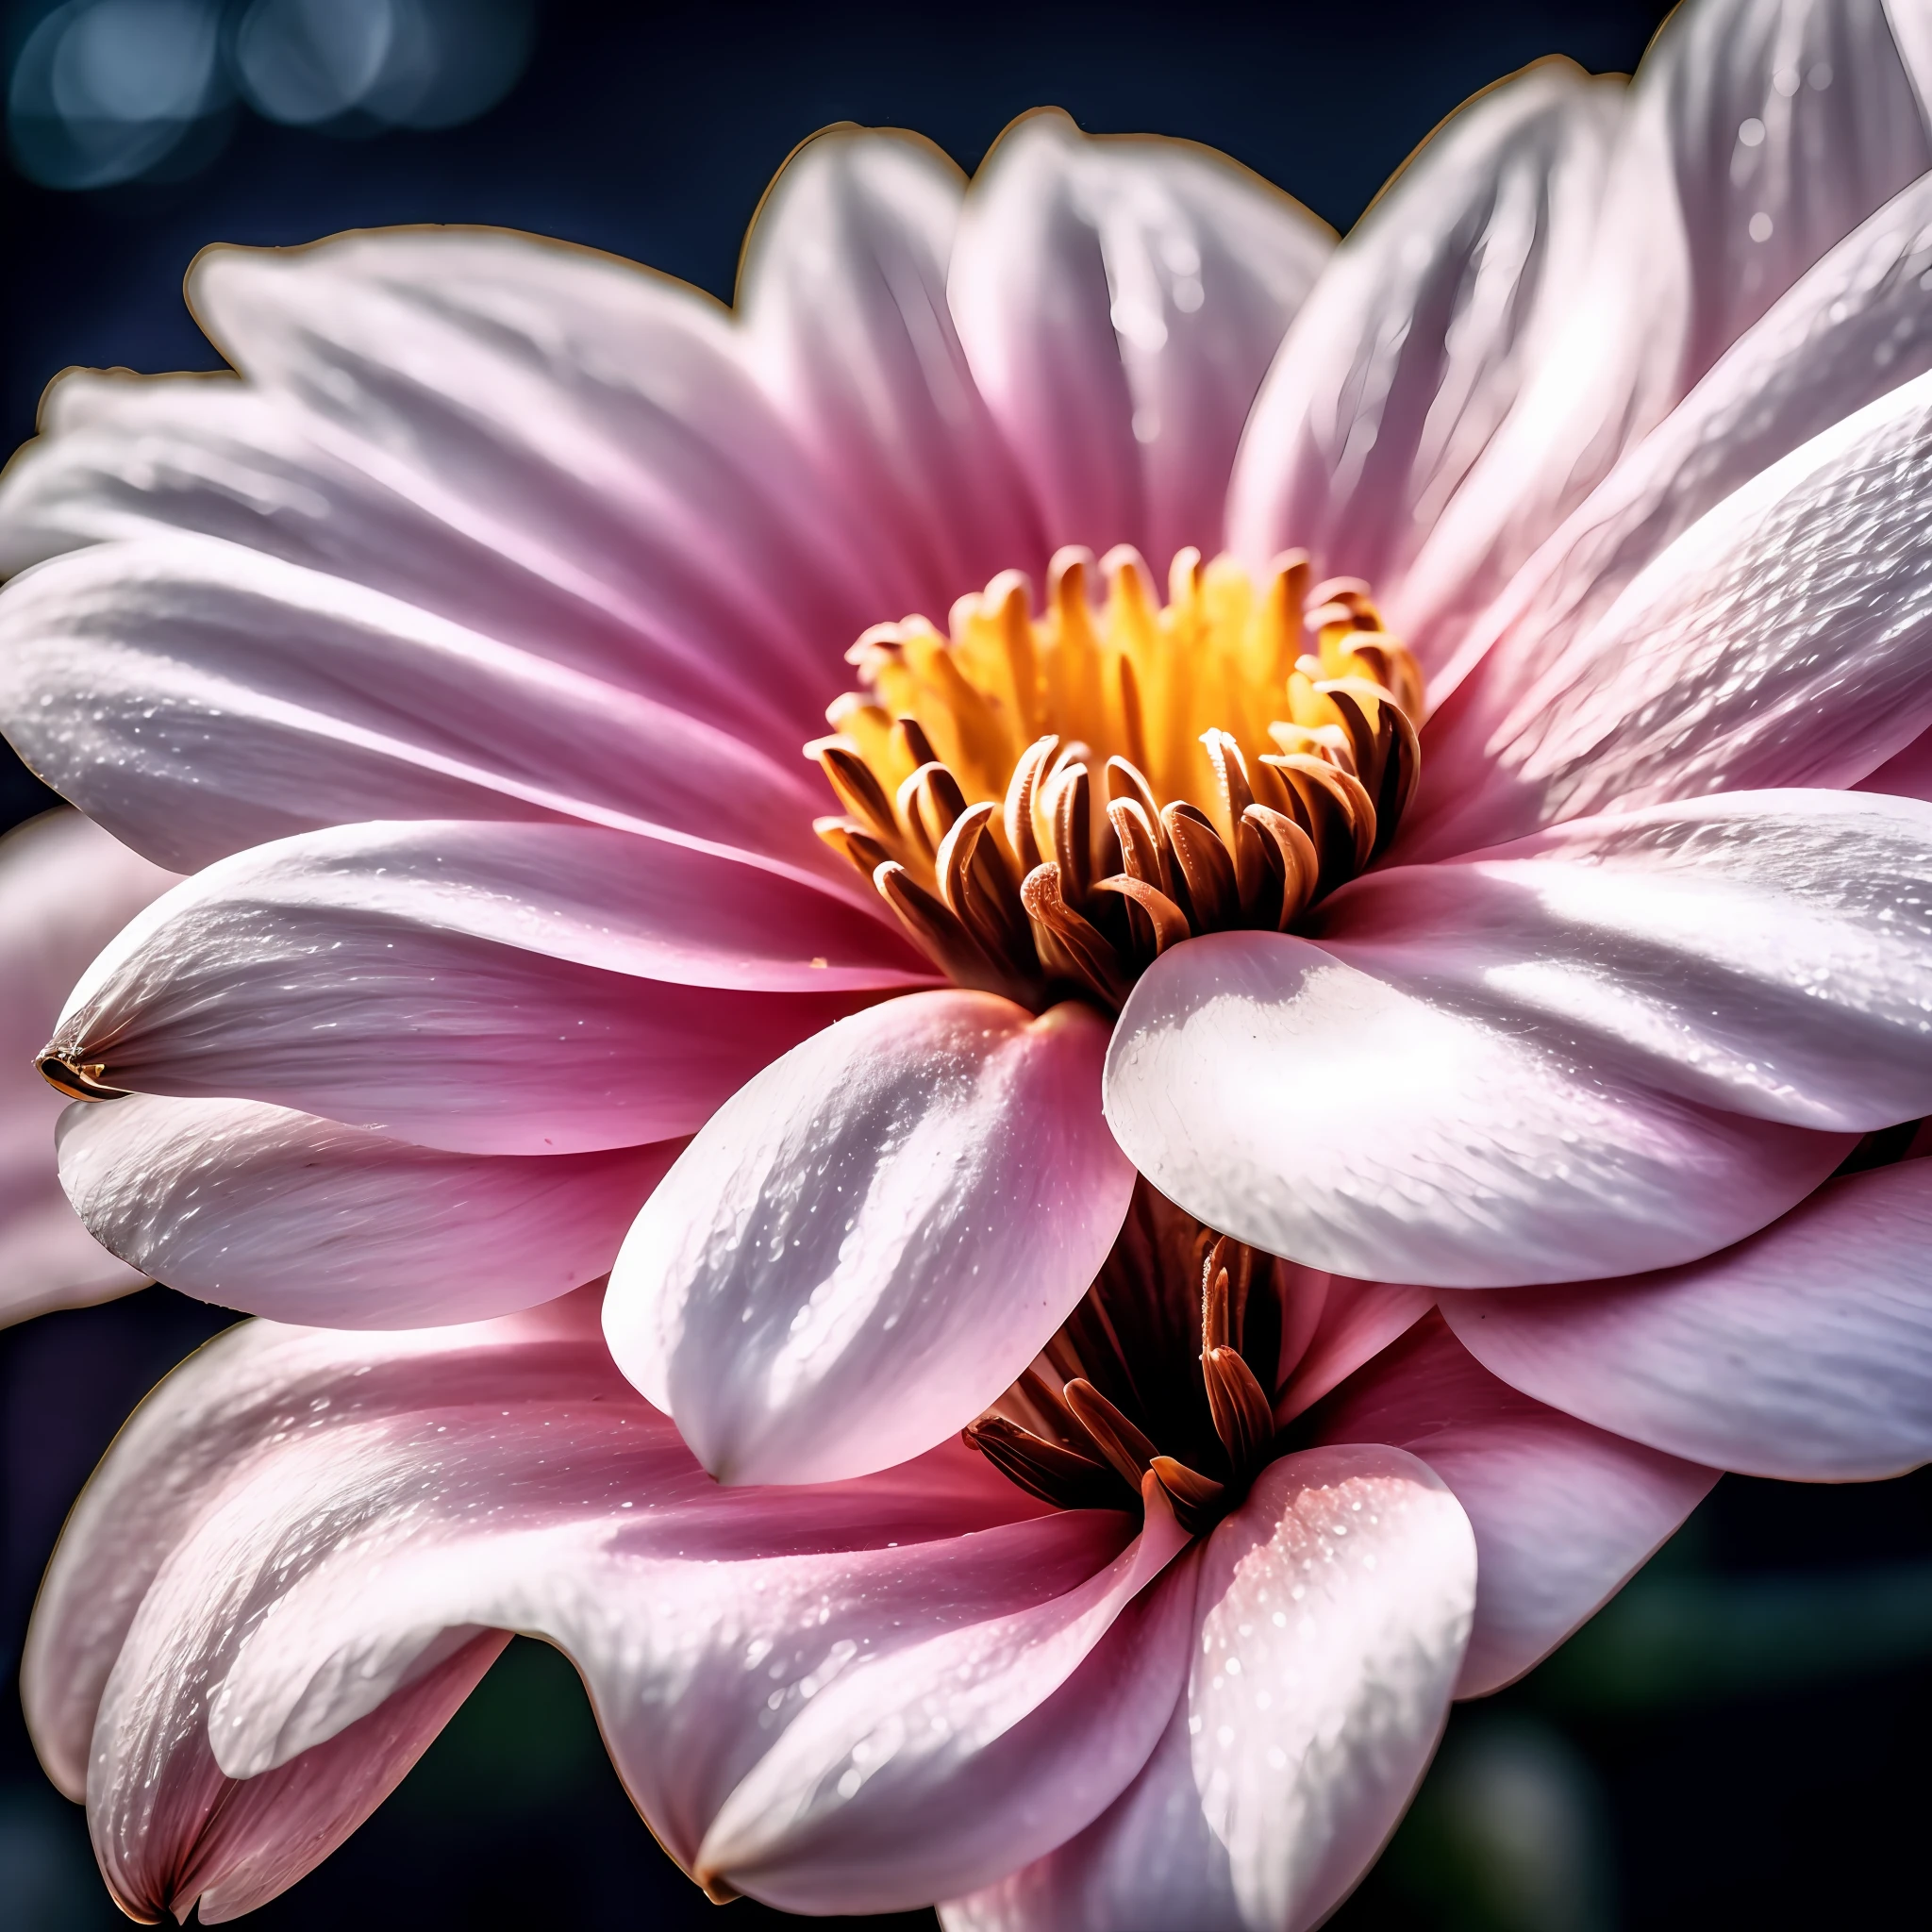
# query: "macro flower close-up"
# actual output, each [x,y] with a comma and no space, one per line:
[1043,1027]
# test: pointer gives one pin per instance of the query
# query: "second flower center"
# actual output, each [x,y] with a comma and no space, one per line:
[1048,801]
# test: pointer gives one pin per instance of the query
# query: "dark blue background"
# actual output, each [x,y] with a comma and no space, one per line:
[1737,1741]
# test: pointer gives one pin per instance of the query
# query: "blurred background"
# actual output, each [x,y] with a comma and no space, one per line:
[1738,1739]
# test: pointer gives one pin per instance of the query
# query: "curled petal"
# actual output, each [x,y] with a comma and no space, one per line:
[1855,327]
[484,988]
[294,1559]
[1316,1108]
[1563,1514]
[1804,1353]
[66,888]
[867,1245]
[1332,1611]
[1779,641]
[1766,952]
[1757,136]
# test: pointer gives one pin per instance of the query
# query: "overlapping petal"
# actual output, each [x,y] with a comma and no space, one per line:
[65,888]
[867,1245]
[302,1530]
[1757,135]
[591,419]
[1805,1352]
[1320,1110]
[483,988]
[1781,639]
[1118,301]
[842,294]
[1413,346]
[1332,1611]
[196,696]
[278,1214]
[1853,327]
[1766,952]
[1563,1513]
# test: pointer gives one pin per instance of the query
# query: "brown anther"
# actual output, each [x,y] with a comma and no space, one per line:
[1167,924]
[858,790]
[1017,812]
[78,1079]
[914,746]
[1213,897]
[928,805]
[1143,852]
[1047,1469]
[1058,930]
[1112,1434]
[853,841]
[1196,1498]
[977,887]
[939,932]
[1296,861]
[1170,1363]
[1069,806]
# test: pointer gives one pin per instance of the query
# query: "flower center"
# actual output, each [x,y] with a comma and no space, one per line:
[1170,1364]
[1049,802]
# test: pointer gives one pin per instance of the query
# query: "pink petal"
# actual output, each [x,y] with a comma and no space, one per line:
[1413,346]
[1119,302]
[229,1847]
[127,458]
[1764,952]
[1563,1514]
[237,1598]
[65,889]
[487,988]
[844,293]
[1321,1111]
[942,1767]
[282,1214]
[590,422]
[1333,1609]
[868,1243]
[1701,230]
[1907,775]
[1855,327]
[198,697]
[1779,641]
[1359,1319]
[1146,1863]
[1804,1353]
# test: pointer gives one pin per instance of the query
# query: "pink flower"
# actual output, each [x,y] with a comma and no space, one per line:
[498,597]
[308,1544]
[65,889]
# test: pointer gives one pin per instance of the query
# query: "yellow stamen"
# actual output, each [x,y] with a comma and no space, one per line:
[1219,760]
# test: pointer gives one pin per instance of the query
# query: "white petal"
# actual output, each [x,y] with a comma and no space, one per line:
[1780,641]
[867,1245]
[1314,1108]
[1563,1514]
[1767,952]
[1333,1609]
[65,889]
